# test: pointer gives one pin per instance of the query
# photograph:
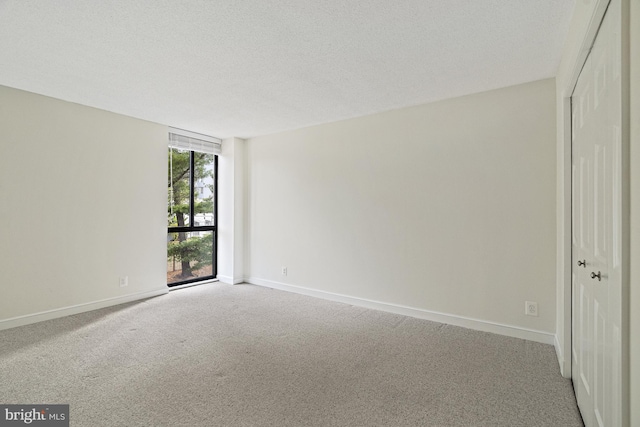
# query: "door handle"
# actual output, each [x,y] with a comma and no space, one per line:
[594,275]
[582,263]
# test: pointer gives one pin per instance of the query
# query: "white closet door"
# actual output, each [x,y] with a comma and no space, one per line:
[596,279]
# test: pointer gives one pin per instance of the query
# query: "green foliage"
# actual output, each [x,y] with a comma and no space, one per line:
[197,250]
[178,184]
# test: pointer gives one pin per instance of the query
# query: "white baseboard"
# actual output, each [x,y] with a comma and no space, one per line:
[230,280]
[76,309]
[450,319]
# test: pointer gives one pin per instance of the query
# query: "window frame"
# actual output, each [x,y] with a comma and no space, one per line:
[196,228]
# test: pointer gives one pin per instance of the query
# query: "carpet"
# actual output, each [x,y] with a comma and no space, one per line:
[222,355]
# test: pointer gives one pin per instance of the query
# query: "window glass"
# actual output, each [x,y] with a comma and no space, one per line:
[179,188]
[191,216]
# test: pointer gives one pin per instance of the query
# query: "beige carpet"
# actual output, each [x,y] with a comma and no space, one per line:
[221,355]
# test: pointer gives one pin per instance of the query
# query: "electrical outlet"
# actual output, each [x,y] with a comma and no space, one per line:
[284,271]
[124,281]
[531,308]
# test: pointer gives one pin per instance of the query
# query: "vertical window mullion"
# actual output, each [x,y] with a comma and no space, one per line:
[215,217]
[192,197]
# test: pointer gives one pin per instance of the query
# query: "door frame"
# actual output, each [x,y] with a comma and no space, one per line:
[564,92]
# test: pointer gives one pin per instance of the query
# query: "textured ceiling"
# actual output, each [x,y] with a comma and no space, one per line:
[251,67]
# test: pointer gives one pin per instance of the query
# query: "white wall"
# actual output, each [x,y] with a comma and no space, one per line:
[83,201]
[634,309]
[231,211]
[446,207]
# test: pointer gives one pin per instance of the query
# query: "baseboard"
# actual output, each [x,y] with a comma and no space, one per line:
[76,309]
[230,280]
[450,319]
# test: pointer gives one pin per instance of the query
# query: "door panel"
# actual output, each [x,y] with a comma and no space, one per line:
[596,284]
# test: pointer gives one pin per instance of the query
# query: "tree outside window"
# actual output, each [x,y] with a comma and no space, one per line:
[190,216]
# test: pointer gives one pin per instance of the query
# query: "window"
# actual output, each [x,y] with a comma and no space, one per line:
[192,207]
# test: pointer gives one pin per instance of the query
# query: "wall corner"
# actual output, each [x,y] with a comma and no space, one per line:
[231,164]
